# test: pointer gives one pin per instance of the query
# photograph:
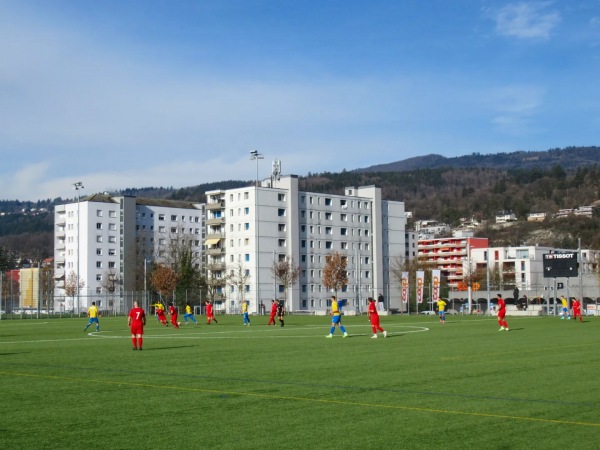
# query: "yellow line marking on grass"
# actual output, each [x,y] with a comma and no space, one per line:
[304,399]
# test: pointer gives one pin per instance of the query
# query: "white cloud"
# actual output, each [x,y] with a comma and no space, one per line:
[514,109]
[527,20]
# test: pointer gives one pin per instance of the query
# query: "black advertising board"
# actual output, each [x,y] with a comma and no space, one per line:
[560,265]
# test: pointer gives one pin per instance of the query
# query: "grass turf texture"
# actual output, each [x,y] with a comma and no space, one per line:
[459,385]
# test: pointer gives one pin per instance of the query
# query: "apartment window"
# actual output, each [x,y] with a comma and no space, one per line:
[366,219]
[231,227]
[328,230]
[327,201]
[303,258]
[112,214]
[310,200]
[98,238]
[281,212]
[303,199]
[344,246]
[281,227]
[112,252]
[367,274]
[303,243]
[174,230]
[162,229]
[328,244]
[112,239]
[281,242]
[281,197]
[303,228]
[98,251]
[344,217]
[247,257]
[98,264]
[113,227]
[98,213]
[328,216]
[246,195]
[111,264]
[173,218]
[98,277]
[161,217]
[247,241]
[246,226]
[343,204]
[98,290]
[247,288]
[246,211]
[99,226]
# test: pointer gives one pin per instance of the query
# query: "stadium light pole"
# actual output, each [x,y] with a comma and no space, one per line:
[78,185]
[255,156]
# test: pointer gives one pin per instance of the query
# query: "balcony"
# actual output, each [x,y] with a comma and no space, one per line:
[215,221]
[215,251]
[215,205]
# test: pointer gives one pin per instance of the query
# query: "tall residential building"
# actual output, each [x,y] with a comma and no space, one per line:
[249,229]
[450,255]
[105,241]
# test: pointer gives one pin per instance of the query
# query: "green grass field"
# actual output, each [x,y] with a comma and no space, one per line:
[459,385]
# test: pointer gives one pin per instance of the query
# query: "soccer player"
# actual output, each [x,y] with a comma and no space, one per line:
[136,321]
[93,315]
[336,318]
[502,314]
[160,313]
[565,308]
[210,314]
[280,312]
[189,314]
[441,304]
[245,313]
[273,312]
[374,319]
[576,309]
[173,314]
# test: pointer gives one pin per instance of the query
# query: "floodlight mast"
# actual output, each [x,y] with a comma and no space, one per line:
[255,156]
[78,185]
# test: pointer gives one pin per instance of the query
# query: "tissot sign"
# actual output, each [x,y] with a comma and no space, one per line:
[558,265]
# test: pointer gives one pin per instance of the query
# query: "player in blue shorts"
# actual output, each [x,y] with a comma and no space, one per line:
[336,318]
[93,314]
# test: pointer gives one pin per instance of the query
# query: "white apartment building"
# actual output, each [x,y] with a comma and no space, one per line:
[103,237]
[249,229]
[522,267]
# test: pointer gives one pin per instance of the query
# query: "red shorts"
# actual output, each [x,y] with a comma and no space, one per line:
[501,314]
[137,329]
[375,321]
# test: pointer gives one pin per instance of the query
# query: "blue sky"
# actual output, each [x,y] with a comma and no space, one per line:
[177,93]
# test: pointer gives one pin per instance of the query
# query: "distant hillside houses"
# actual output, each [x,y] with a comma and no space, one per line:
[428,229]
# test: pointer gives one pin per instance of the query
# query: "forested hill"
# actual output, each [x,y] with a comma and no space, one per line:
[441,193]
[569,158]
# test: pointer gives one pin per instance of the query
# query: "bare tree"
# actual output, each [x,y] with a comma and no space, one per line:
[335,275]
[286,272]
[214,285]
[163,279]
[238,277]
[110,281]
[73,284]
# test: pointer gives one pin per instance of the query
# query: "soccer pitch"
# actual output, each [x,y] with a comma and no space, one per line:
[225,386]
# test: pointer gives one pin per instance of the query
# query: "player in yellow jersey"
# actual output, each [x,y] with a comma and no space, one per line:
[93,315]
[441,304]
[245,313]
[336,318]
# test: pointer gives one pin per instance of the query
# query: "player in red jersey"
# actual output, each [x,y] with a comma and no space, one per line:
[374,319]
[273,312]
[173,314]
[210,314]
[136,321]
[502,314]
[160,313]
[576,304]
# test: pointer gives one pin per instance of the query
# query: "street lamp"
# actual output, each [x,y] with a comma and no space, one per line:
[78,185]
[255,156]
